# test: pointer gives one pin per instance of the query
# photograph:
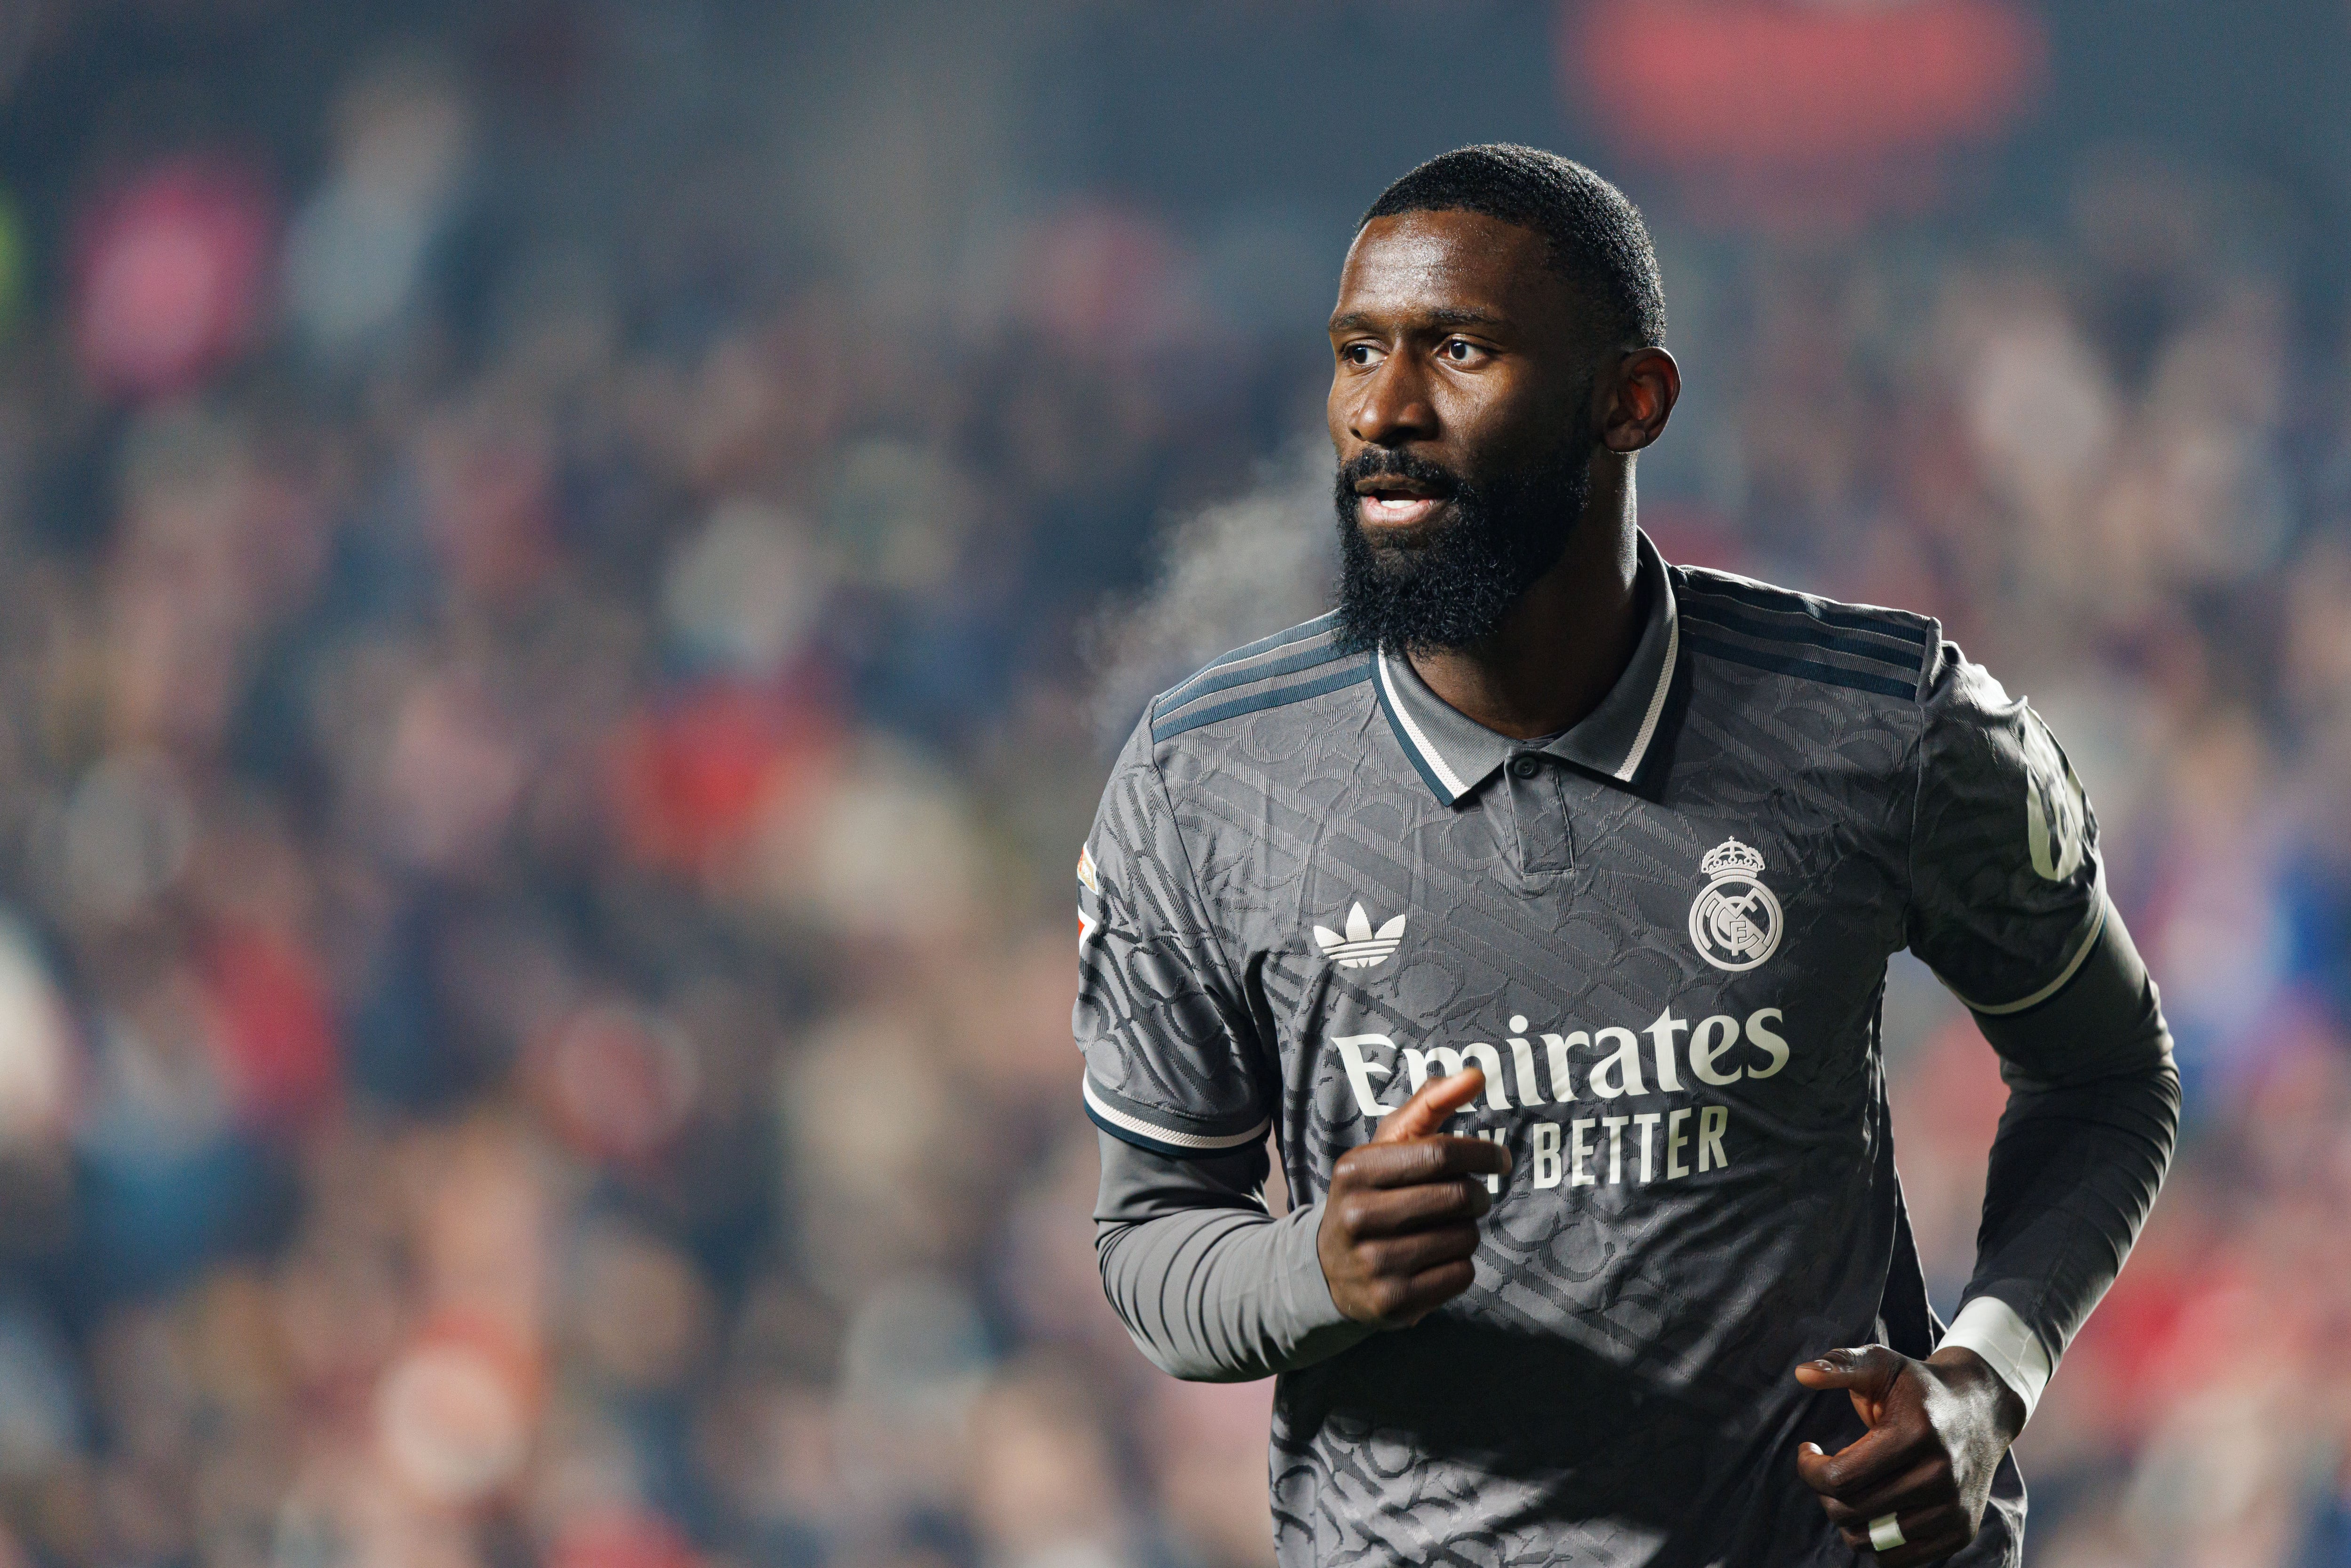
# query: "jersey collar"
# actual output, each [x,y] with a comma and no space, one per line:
[1454,754]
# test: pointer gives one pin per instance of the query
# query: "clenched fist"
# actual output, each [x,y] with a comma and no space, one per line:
[1401,1220]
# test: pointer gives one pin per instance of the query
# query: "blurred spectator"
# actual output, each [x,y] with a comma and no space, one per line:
[362,249]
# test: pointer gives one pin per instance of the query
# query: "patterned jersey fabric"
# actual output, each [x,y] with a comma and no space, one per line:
[1663,936]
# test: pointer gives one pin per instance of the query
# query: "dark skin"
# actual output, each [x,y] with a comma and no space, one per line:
[1401,1218]
[1454,340]
[1938,1428]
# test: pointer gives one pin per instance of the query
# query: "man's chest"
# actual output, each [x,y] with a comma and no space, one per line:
[1669,959]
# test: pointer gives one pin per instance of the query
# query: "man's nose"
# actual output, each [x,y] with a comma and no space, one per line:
[1393,407]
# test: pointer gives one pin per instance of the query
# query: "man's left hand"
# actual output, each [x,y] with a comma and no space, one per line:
[1938,1428]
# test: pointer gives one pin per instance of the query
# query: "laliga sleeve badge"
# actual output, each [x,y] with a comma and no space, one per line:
[2056,816]
[1735,921]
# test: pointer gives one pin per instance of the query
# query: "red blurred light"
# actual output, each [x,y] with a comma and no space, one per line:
[620,1538]
[170,272]
[690,781]
[277,1028]
[1776,109]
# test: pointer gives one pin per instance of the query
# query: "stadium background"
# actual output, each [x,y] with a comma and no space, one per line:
[568,569]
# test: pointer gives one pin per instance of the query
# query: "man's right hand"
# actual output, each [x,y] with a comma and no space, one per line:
[1401,1220]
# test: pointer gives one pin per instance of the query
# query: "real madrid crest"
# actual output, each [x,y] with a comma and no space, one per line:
[1734,922]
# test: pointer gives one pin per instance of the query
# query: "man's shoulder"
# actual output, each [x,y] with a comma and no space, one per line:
[1862,648]
[1284,670]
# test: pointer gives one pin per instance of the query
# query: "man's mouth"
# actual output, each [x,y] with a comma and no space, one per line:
[1390,502]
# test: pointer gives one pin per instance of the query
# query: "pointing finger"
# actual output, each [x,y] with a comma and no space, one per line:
[1429,1107]
[1867,1373]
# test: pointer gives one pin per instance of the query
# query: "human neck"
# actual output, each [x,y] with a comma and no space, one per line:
[1562,647]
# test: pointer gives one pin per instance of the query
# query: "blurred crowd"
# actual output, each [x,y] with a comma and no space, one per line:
[539,771]
[2114,458]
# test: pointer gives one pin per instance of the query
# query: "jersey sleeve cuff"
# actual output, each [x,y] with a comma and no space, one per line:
[1306,1289]
[1989,1327]
[1161,1133]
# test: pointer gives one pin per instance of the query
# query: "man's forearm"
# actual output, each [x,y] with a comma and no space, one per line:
[2092,1114]
[1210,1286]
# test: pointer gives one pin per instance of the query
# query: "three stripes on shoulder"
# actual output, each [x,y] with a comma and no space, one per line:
[1724,617]
[1788,634]
[1290,666]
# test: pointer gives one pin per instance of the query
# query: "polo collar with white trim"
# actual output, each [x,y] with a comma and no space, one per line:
[1454,754]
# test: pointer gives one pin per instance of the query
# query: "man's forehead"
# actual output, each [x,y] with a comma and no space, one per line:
[1449,266]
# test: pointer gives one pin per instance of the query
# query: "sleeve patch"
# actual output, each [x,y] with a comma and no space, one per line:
[2055,808]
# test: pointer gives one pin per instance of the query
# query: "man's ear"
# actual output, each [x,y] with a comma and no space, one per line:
[1640,397]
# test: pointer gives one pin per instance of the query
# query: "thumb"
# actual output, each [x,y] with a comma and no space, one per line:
[1428,1108]
[1866,1374]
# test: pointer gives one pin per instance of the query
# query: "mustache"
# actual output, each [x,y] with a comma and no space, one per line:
[1379,463]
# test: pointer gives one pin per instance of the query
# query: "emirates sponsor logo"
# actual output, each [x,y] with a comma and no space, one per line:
[1651,1093]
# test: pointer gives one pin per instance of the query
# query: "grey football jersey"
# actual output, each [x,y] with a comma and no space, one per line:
[1663,936]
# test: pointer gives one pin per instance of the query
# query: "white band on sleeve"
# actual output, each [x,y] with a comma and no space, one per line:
[1989,1327]
[1113,1119]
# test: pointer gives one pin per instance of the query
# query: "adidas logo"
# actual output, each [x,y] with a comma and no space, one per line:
[1362,946]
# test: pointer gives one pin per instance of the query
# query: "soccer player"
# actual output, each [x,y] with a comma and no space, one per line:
[1598,860]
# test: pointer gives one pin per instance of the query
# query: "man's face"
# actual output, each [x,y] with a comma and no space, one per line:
[1461,411]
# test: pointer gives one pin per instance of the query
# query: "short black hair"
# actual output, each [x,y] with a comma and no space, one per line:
[1597,239]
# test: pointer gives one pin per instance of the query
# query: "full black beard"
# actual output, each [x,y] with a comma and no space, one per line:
[1449,587]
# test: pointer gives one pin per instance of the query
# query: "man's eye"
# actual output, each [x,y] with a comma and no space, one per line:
[1359,353]
[1459,349]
